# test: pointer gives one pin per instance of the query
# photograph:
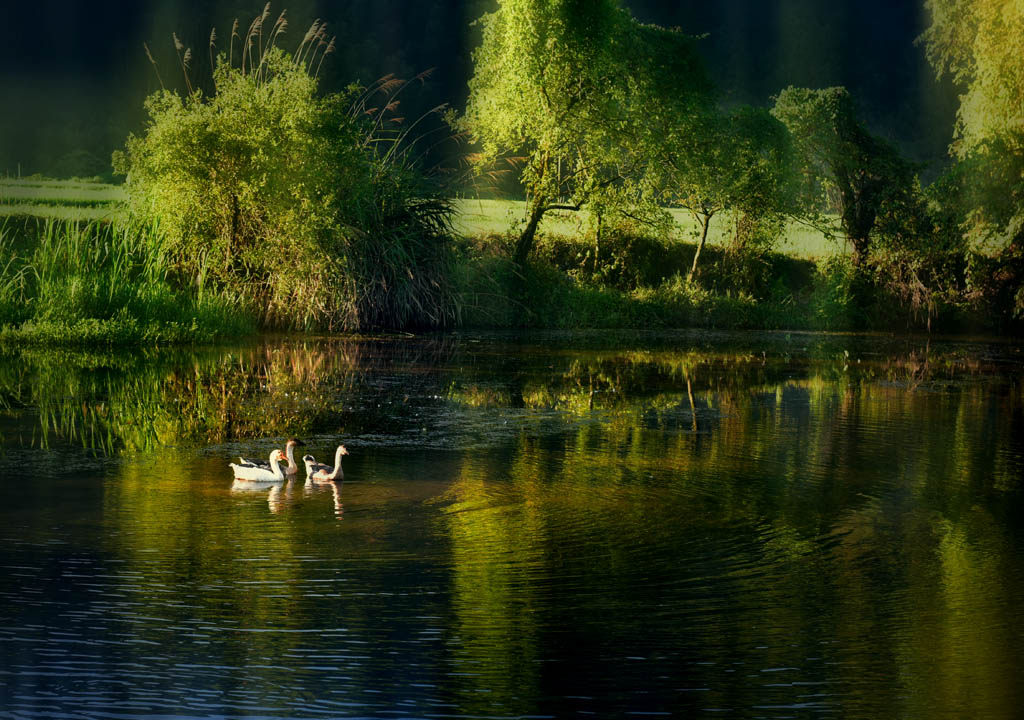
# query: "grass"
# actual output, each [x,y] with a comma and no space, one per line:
[476,217]
[61,199]
[82,200]
[69,282]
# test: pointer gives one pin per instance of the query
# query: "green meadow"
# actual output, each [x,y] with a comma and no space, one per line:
[60,199]
[485,216]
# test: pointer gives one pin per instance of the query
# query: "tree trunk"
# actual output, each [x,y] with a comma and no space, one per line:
[861,247]
[525,243]
[705,222]
[859,215]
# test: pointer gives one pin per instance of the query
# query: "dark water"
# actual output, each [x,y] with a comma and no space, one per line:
[685,525]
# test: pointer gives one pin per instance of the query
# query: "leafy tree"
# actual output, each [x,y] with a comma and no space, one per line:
[711,162]
[563,87]
[981,44]
[844,165]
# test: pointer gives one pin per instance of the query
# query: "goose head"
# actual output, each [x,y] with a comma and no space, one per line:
[308,461]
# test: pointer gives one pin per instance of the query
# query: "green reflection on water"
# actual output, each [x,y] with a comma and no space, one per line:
[637,518]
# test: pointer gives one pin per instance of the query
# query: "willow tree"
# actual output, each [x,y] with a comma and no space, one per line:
[562,89]
[844,165]
[980,43]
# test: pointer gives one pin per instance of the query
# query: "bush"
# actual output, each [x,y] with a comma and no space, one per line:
[300,205]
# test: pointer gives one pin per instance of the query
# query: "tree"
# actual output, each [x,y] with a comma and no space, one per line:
[844,165]
[981,44]
[560,87]
[713,162]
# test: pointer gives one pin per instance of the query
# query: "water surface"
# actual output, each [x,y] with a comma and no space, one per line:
[695,525]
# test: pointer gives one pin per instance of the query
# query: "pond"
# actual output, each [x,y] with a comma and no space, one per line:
[688,524]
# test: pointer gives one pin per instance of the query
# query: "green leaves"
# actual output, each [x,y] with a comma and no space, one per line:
[845,168]
[575,88]
[299,205]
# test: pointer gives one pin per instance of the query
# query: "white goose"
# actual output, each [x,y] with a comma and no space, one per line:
[289,451]
[254,473]
[326,473]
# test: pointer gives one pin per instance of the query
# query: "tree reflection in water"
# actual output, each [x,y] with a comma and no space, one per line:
[699,524]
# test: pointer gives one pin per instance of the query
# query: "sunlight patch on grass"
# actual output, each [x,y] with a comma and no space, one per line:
[477,216]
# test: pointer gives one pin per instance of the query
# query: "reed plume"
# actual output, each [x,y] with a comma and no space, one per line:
[153,63]
[183,60]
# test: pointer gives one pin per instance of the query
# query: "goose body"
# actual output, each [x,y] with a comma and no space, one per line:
[326,473]
[255,473]
[291,469]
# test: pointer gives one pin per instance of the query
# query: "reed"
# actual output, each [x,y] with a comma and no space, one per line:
[69,282]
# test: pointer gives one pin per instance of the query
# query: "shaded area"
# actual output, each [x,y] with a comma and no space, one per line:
[79,73]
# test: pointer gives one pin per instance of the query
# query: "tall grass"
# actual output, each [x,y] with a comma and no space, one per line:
[69,281]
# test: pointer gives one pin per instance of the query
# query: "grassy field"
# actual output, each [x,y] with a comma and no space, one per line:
[70,282]
[83,200]
[60,199]
[484,217]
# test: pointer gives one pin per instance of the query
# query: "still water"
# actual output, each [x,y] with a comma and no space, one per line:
[688,525]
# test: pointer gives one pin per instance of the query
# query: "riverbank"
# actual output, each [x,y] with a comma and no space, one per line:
[75,273]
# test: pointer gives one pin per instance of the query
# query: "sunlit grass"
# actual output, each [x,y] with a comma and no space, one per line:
[69,282]
[82,200]
[476,216]
[60,199]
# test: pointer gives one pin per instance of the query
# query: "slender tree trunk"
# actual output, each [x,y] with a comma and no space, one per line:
[525,243]
[705,222]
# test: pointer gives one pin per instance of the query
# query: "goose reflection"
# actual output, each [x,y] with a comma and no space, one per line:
[313,487]
[279,494]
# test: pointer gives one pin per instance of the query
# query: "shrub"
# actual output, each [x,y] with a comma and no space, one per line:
[301,205]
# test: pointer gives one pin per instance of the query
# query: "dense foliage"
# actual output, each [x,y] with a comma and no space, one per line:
[981,44]
[301,205]
[306,210]
[566,92]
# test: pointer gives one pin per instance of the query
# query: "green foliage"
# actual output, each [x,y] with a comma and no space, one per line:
[70,282]
[712,162]
[304,206]
[981,44]
[920,253]
[565,92]
[845,167]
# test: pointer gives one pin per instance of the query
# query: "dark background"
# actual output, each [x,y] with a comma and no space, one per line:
[73,75]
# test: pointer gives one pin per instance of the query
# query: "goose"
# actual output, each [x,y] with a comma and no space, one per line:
[290,452]
[255,473]
[316,471]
